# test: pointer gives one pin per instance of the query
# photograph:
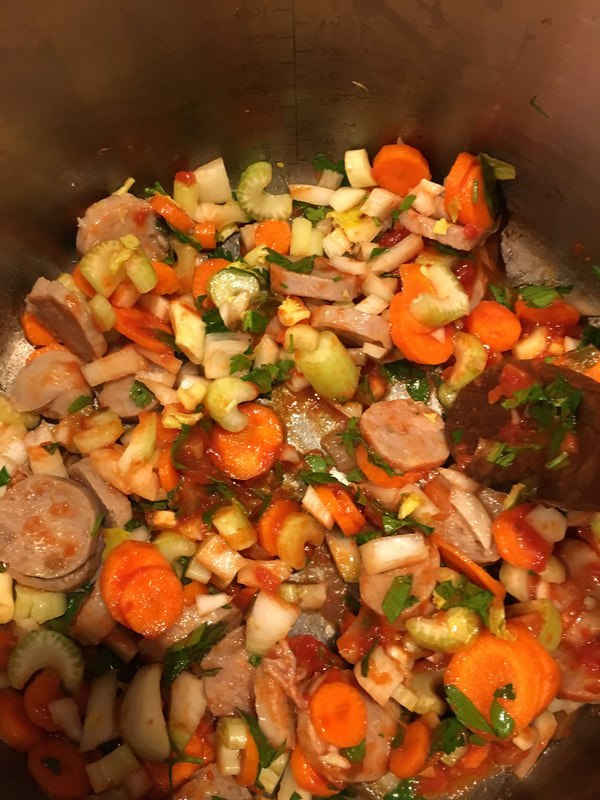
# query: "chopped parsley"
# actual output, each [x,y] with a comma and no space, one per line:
[254,322]
[266,752]
[392,524]
[398,597]
[51,447]
[81,402]
[4,477]
[590,334]
[500,294]
[356,753]
[303,265]
[321,162]
[364,663]
[542,296]
[97,523]
[407,202]
[464,594]
[504,454]
[181,439]
[414,378]
[191,650]
[140,394]
[457,435]
[214,321]
[266,376]
[377,251]
[312,213]
[502,724]
[255,659]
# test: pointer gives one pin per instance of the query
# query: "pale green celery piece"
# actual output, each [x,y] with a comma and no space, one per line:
[448,632]
[141,272]
[104,265]
[329,368]
[446,395]
[451,302]
[186,195]
[228,283]
[253,198]
[551,630]
[471,359]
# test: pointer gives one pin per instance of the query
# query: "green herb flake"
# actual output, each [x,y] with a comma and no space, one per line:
[465,710]
[561,461]
[81,402]
[396,214]
[542,296]
[534,104]
[181,439]
[449,736]
[266,376]
[53,765]
[398,597]
[414,378]
[464,594]
[50,447]
[254,322]
[4,477]
[217,486]
[503,171]
[392,524]
[255,659]
[377,251]
[356,753]
[499,294]
[502,722]
[191,650]
[303,265]
[407,202]
[266,752]
[364,663]
[457,435]
[158,188]
[97,523]
[321,162]
[140,394]
[590,334]
[295,796]
[214,321]
[239,363]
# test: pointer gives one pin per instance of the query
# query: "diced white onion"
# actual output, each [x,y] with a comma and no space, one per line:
[207,603]
[99,724]
[383,676]
[548,522]
[515,580]
[213,182]
[346,198]
[308,193]
[374,351]
[336,243]
[459,480]
[345,554]
[380,203]
[65,716]
[532,346]
[315,506]
[372,304]
[474,513]
[127,361]
[392,552]
[401,253]
[112,769]
[348,265]
[358,168]
[270,619]
[385,288]
[331,179]
[186,708]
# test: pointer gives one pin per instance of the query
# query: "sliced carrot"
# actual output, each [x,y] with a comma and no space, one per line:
[151,601]
[141,327]
[121,564]
[202,274]
[456,559]
[35,332]
[307,777]
[274,233]
[43,689]
[464,196]
[191,591]
[399,168]
[82,283]
[379,476]
[271,522]
[168,280]
[415,339]
[253,450]
[557,313]
[49,348]
[474,756]
[8,640]
[125,295]
[16,729]
[518,542]
[167,208]
[167,473]
[343,509]
[58,768]
[494,325]
[206,234]
[249,767]
[492,663]
[338,714]
[411,756]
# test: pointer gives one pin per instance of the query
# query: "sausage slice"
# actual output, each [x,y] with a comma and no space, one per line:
[45,527]
[407,434]
[116,506]
[51,379]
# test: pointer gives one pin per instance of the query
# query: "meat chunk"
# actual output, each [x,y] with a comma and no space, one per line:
[573,485]
[322,284]
[115,395]
[232,686]
[93,620]
[67,318]
[64,583]
[45,529]
[208,783]
[407,434]
[455,235]
[49,383]
[117,508]
[353,326]
[122,215]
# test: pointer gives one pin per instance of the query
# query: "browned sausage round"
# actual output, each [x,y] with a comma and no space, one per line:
[407,434]
[45,527]
[41,383]
[121,215]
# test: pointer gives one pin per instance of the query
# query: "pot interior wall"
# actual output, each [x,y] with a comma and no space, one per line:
[97,91]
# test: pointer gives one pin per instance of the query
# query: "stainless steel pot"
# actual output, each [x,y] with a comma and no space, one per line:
[93,92]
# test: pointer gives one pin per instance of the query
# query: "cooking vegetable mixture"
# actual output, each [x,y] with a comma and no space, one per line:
[298,496]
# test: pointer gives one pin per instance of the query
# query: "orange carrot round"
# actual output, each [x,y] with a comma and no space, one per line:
[492,663]
[410,757]
[203,273]
[343,509]
[464,197]
[35,332]
[494,325]
[141,326]
[206,234]
[518,542]
[379,476]
[338,714]
[557,313]
[121,564]
[456,559]
[249,767]
[151,601]
[167,473]
[307,777]
[58,768]
[43,689]
[274,233]
[270,523]
[171,211]
[16,729]
[251,451]
[168,280]
[399,168]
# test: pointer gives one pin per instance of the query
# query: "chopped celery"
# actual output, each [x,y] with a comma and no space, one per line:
[41,649]
[38,604]
[222,398]
[141,721]
[447,632]
[255,200]
[228,283]
[141,272]
[174,545]
[104,265]
[451,302]
[471,359]
[329,368]
[550,632]
[102,312]
[10,416]
[186,194]
[233,731]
